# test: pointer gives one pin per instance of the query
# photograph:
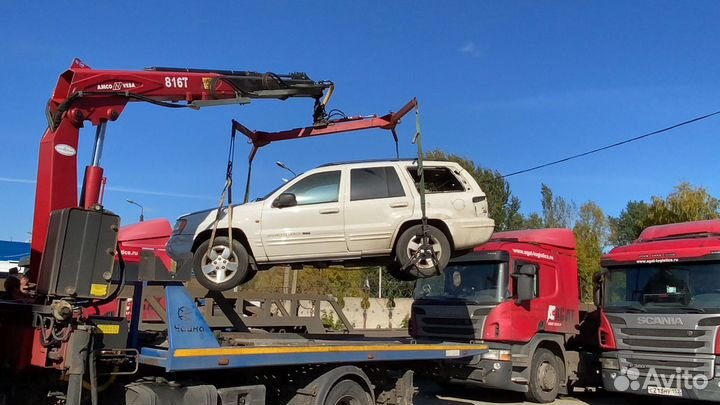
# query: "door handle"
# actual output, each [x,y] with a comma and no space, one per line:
[399,205]
[330,211]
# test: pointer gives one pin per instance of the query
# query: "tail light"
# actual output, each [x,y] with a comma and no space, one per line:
[606,335]
[717,341]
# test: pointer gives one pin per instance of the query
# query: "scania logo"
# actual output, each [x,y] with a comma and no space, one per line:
[659,320]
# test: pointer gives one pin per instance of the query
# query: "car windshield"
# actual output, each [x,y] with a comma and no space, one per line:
[467,281]
[675,287]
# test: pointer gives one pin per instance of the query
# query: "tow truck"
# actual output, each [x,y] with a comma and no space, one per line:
[59,348]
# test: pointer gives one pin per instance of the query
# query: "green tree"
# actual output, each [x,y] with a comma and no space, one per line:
[503,207]
[591,234]
[685,203]
[557,212]
[533,221]
[627,226]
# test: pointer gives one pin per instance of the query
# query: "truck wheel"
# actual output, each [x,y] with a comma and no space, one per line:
[546,373]
[347,392]
[223,267]
[408,245]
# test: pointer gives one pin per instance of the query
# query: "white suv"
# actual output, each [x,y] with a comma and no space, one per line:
[354,214]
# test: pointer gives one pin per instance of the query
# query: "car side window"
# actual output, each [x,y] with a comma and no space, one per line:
[317,188]
[437,180]
[375,182]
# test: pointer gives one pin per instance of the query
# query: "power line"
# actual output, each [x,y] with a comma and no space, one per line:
[659,131]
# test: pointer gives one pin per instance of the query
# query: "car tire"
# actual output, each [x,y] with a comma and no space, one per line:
[224,266]
[546,374]
[407,245]
[347,392]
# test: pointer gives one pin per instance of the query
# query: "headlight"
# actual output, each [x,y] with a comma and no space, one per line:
[609,363]
[179,226]
[501,355]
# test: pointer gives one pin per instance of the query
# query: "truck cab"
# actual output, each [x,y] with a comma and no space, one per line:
[660,298]
[518,294]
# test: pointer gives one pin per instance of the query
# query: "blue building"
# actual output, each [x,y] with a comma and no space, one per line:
[11,253]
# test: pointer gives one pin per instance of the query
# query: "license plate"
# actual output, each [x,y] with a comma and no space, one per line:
[671,392]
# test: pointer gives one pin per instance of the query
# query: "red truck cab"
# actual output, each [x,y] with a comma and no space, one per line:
[660,298]
[518,293]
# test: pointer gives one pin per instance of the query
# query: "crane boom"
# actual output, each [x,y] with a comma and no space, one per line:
[98,96]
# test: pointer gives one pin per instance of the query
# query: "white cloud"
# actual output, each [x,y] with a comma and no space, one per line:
[121,189]
[469,48]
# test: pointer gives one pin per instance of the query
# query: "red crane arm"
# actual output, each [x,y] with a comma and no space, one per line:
[84,94]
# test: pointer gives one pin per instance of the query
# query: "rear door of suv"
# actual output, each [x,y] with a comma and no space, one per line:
[377,203]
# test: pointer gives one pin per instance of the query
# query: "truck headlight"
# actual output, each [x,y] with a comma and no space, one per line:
[500,355]
[609,363]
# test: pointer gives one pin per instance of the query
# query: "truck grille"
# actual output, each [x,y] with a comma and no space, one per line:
[688,344]
[450,322]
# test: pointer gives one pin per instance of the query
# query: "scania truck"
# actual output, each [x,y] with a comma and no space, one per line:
[517,294]
[660,323]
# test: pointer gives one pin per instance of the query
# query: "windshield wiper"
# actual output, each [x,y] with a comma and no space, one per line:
[626,308]
[691,309]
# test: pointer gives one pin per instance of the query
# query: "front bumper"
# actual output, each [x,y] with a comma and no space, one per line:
[489,374]
[179,248]
[615,381]
[617,377]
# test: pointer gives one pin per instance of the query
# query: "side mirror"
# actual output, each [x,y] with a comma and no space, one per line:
[285,200]
[525,276]
[597,281]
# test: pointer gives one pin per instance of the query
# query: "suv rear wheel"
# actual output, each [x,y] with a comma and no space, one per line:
[414,258]
[222,266]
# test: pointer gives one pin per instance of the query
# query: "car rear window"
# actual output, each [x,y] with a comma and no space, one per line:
[374,182]
[437,180]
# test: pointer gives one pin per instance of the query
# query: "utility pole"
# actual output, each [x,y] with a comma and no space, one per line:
[379,281]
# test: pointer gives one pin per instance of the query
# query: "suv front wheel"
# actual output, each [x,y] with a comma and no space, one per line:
[222,266]
[414,259]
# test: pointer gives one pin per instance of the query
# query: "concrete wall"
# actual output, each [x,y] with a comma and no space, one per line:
[378,314]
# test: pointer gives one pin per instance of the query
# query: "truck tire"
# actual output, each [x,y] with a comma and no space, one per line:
[347,392]
[224,266]
[407,245]
[546,374]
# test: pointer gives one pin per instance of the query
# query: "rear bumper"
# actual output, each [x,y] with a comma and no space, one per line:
[470,232]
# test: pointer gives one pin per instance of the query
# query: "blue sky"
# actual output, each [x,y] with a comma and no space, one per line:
[507,84]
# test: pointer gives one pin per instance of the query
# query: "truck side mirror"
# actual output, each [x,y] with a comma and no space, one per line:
[525,277]
[285,200]
[597,281]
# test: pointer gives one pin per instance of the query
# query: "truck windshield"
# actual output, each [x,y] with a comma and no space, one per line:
[475,282]
[676,287]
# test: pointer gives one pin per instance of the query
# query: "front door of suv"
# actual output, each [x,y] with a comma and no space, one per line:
[376,206]
[311,229]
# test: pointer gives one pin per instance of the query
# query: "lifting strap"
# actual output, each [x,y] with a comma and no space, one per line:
[425,251]
[227,190]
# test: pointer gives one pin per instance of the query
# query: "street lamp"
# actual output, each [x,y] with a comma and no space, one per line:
[282,166]
[142,211]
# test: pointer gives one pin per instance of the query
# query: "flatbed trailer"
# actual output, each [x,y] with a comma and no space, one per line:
[190,362]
